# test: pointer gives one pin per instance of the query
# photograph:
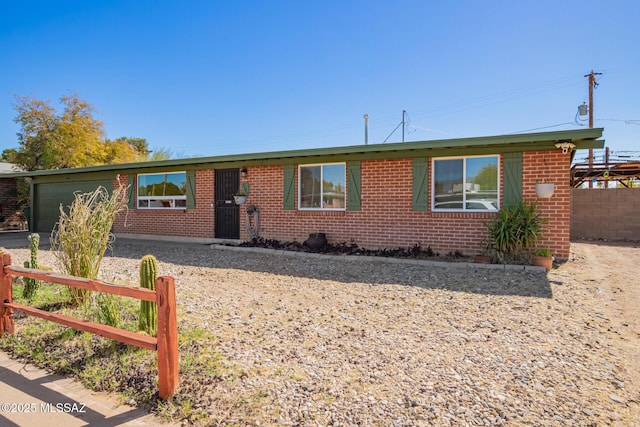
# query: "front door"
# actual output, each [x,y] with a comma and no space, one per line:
[227,212]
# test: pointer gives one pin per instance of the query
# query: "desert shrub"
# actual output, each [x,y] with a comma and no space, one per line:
[31,285]
[81,236]
[108,309]
[515,229]
[148,319]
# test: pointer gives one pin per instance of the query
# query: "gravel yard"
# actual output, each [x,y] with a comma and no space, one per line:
[329,341]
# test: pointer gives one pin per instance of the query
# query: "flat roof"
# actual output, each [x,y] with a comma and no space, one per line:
[582,138]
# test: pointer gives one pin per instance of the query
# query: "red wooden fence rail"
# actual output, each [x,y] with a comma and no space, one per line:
[166,343]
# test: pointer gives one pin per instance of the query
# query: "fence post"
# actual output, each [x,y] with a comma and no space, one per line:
[6,295]
[167,337]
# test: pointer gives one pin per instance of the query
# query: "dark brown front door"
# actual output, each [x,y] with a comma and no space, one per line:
[227,212]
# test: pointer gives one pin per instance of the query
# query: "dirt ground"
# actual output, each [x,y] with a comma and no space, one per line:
[506,348]
[614,267]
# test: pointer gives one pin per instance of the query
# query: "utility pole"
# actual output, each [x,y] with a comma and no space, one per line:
[403,114]
[366,129]
[592,85]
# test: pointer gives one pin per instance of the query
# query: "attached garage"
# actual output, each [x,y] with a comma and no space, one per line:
[48,196]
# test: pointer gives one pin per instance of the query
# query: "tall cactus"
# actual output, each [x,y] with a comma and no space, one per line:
[31,285]
[148,309]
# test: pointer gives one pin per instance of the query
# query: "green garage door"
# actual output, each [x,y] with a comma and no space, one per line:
[49,197]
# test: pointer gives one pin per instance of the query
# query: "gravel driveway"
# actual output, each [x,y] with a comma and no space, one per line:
[327,341]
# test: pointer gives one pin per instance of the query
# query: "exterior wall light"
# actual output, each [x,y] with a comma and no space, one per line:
[243,172]
[566,147]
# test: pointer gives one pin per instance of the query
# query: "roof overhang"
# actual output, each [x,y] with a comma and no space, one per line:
[581,138]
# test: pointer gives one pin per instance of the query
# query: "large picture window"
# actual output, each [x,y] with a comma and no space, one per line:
[322,186]
[466,183]
[162,191]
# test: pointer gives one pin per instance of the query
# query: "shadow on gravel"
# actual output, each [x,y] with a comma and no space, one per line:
[328,267]
[454,277]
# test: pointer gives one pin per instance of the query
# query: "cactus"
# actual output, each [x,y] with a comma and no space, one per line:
[31,285]
[148,309]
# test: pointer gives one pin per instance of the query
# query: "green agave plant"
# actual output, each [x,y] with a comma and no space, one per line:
[515,228]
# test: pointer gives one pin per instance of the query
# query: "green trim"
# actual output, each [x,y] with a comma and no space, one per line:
[582,138]
[354,178]
[512,179]
[288,181]
[131,200]
[191,189]
[420,184]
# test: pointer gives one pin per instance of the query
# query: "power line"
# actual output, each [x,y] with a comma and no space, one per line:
[544,127]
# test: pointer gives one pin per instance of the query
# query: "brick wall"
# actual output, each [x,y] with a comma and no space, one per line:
[10,210]
[553,167]
[386,218]
[612,213]
[198,222]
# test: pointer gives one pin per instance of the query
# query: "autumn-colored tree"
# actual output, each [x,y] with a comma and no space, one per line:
[126,150]
[73,138]
[37,120]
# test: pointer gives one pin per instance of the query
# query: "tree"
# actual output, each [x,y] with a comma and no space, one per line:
[126,150]
[487,177]
[8,154]
[73,138]
[36,137]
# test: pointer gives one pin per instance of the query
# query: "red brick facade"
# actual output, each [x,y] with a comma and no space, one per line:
[198,222]
[385,219]
[9,210]
[553,167]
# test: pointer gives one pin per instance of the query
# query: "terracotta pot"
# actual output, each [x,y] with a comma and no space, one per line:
[543,261]
[483,259]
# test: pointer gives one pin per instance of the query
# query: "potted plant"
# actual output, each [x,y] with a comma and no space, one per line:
[483,258]
[240,198]
[514,230]
[544,190]
[486,256]
[543,257]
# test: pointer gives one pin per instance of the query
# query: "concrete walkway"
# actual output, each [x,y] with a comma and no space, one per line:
[30,396]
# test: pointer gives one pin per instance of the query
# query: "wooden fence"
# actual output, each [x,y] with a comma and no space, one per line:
[166,343]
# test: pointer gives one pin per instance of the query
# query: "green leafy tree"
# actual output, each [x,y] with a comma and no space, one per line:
[126,150]
[37,120]
[487,177]
[8,155]
[72,138]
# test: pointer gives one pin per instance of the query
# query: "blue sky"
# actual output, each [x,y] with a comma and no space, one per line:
[203,78]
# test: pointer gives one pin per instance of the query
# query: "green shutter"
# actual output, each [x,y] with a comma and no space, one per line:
[512,179]
[131,202]
[420,184]
[353,186]
[191,189]
[289,197]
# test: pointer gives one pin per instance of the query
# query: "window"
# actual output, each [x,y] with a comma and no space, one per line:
[162,191]
[322,186]
[466,184]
